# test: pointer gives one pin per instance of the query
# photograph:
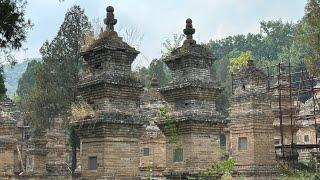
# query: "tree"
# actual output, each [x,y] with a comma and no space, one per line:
[273,43]
[237,62]
[312,36]
[277,35]
[13,28]
[161,70]
[56,78]
[13,25]
[27,81]
[54,90]
[3,89]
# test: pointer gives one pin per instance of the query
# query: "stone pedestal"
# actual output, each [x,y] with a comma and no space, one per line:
[36,156]
[7,157]
[115,148]
[152,153]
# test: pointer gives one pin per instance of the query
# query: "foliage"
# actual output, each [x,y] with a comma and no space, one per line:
[3,89]
[13,25]
[277,41]
[222,167]
[172,44]
[276,36]
[161,70]
[27,80]
[14,73]
[13,28]
[312,36]
[149,173]
[142,74]
[169,125]
[307,171]
[81,110]
[131,35]
[56,77]
[157,68]
[237,62]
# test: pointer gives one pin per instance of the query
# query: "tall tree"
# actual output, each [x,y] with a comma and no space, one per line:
[56,78]
[161,70]
[3,89]
[13,25]
[312,36]
[13,28]
[277,35]
[27,80]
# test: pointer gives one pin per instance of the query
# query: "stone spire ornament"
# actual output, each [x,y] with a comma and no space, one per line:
[189,31]
[154,80]
[110,21]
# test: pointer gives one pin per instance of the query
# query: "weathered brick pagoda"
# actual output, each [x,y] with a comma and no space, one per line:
[191,97]
[11,135]
[110,138]
[251,123]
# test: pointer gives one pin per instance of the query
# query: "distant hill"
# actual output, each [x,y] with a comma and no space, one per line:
[13,74]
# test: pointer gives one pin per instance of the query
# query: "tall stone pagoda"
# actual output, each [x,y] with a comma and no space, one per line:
[11,136]
[251,123]
[191,97]
[110,135]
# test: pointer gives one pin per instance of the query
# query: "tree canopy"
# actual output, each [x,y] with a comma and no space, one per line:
[311,36]
[237,62]
[56,77]
[13,25]
[3,89]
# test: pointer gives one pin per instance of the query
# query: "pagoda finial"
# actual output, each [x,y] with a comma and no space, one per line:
[110,21]
[154,80]
[189,31]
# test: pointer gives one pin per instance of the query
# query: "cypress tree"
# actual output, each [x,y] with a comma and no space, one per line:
[3,89]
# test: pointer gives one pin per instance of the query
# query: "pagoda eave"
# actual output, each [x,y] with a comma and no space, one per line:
[111,118]
[112,48]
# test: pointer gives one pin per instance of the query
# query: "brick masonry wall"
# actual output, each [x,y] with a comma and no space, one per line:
[201,147]
[156,160]
[116,147]
[7,157]
[251,118]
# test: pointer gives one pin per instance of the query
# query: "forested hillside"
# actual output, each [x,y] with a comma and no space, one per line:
[14,73]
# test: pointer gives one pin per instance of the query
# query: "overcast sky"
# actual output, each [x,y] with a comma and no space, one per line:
[160,19]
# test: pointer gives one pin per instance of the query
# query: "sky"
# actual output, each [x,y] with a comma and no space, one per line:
[158,20]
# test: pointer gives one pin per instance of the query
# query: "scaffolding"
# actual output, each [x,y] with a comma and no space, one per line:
[291,89]
[300,87]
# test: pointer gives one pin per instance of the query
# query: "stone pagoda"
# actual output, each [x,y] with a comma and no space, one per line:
[110,135]
[191,97]
[11,137]
[36,155]
[153,141]
[251,123]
